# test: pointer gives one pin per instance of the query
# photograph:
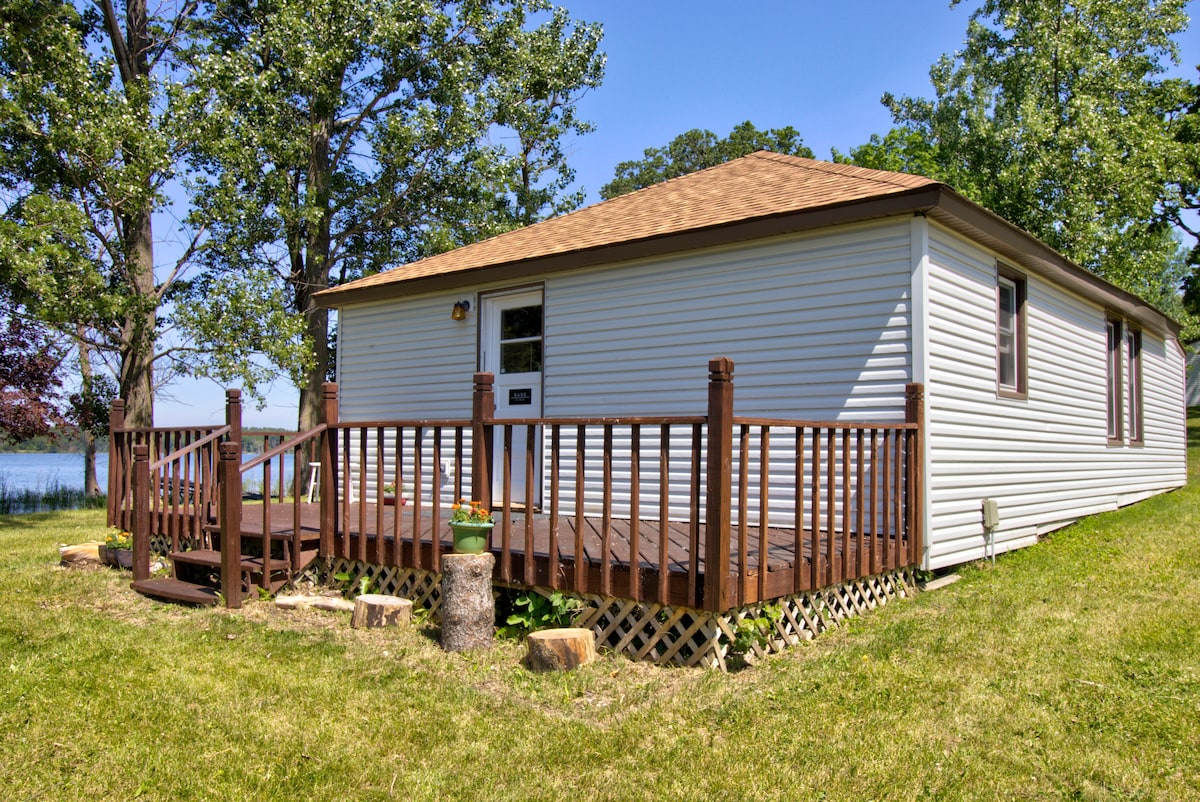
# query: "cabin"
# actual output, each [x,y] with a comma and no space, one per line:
[770,390]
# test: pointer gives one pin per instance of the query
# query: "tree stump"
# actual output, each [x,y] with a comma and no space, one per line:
[84,553]
[373,610]
[561,649]
[468,609]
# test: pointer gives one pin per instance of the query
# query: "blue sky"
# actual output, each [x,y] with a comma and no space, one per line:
[820,67]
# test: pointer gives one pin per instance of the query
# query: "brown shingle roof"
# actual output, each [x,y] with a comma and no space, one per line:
[760,195]
[757,186]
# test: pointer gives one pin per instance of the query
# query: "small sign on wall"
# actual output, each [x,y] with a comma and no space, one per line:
[521,397]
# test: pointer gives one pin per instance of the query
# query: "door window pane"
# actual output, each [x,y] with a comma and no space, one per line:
[519,323]
[522,357]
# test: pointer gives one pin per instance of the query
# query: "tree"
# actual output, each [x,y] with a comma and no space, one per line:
[697,149]
[30,385]
[86,146]
[338,138]
[1056,116]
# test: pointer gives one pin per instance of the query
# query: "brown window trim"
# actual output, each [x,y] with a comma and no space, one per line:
[1020,334]
[1114,379]
[1132,351]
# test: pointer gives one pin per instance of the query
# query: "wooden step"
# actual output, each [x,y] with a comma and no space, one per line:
[210,558]
[176,590]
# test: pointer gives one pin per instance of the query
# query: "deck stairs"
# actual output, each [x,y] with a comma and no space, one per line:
[196,572]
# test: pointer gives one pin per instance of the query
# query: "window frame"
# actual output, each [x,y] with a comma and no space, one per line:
[1114,332]
[1017,282]
[1133,385]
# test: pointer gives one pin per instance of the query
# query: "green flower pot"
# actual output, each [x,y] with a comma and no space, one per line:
[471,538]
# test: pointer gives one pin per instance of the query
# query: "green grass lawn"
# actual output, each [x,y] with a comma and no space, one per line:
[1070,670]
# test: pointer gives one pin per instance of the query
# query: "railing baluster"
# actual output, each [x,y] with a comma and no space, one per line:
[832,564]
[846,559]
[875,523]
[800,576]
[764,505]
[506,503]
[635,512]
[530,450]
[858,506]
[898,499]
[435,501]
[555,565]
[887,506]
[398,516]
[606,554]
[664,513]
[380,481]
[694,582]
[581,560]
[418,526]
[818,559]
[743,513]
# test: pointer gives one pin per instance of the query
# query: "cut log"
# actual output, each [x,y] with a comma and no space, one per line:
[468,609]
[83,554]
[372,610]
[561,649]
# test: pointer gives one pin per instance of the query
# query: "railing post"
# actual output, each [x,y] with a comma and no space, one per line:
[141,512]
[719,495]
[914,412]
[483,409]
[233,415]
[229,479]
[329,466]
[116,442]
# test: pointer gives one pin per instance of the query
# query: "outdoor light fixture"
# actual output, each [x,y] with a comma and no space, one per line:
[460,310]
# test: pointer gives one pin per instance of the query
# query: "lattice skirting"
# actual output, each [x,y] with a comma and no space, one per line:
[670,635]
[423,588]
[683,636]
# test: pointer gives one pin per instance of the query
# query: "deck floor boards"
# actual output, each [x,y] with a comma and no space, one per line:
[781,557]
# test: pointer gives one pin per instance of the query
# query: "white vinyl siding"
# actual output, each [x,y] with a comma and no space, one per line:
[1045,458]
[817,327]
[406,359]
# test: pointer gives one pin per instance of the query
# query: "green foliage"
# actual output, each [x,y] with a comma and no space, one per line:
[336,139]
[755,628]
[530,611]
[88,145]
[697,149]
[1057,118]
[350,588]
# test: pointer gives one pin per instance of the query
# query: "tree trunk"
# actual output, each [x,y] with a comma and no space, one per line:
[139,335]
[91,487]
[315,277]
[138,331]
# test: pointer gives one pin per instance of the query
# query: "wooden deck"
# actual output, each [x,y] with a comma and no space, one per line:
[604,571]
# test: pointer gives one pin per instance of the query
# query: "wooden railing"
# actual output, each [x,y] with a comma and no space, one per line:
[180,483]
[710,511]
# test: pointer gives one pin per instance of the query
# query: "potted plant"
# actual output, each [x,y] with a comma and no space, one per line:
[389,495]
[471,523]
[118,548]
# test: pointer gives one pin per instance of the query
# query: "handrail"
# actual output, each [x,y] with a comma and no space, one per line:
[628,420]
[812,424]
[189,448]
[164,429]
[303,437]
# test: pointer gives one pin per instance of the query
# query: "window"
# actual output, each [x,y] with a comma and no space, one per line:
[1133,365]
[1010,334]
[1115,383]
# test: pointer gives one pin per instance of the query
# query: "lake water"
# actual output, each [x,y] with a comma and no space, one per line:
[41,472]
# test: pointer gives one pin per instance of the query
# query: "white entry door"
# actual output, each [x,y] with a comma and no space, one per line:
[510,345]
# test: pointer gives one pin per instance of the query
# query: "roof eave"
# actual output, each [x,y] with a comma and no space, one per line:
[912,201]
[1027,251]
[938,201]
